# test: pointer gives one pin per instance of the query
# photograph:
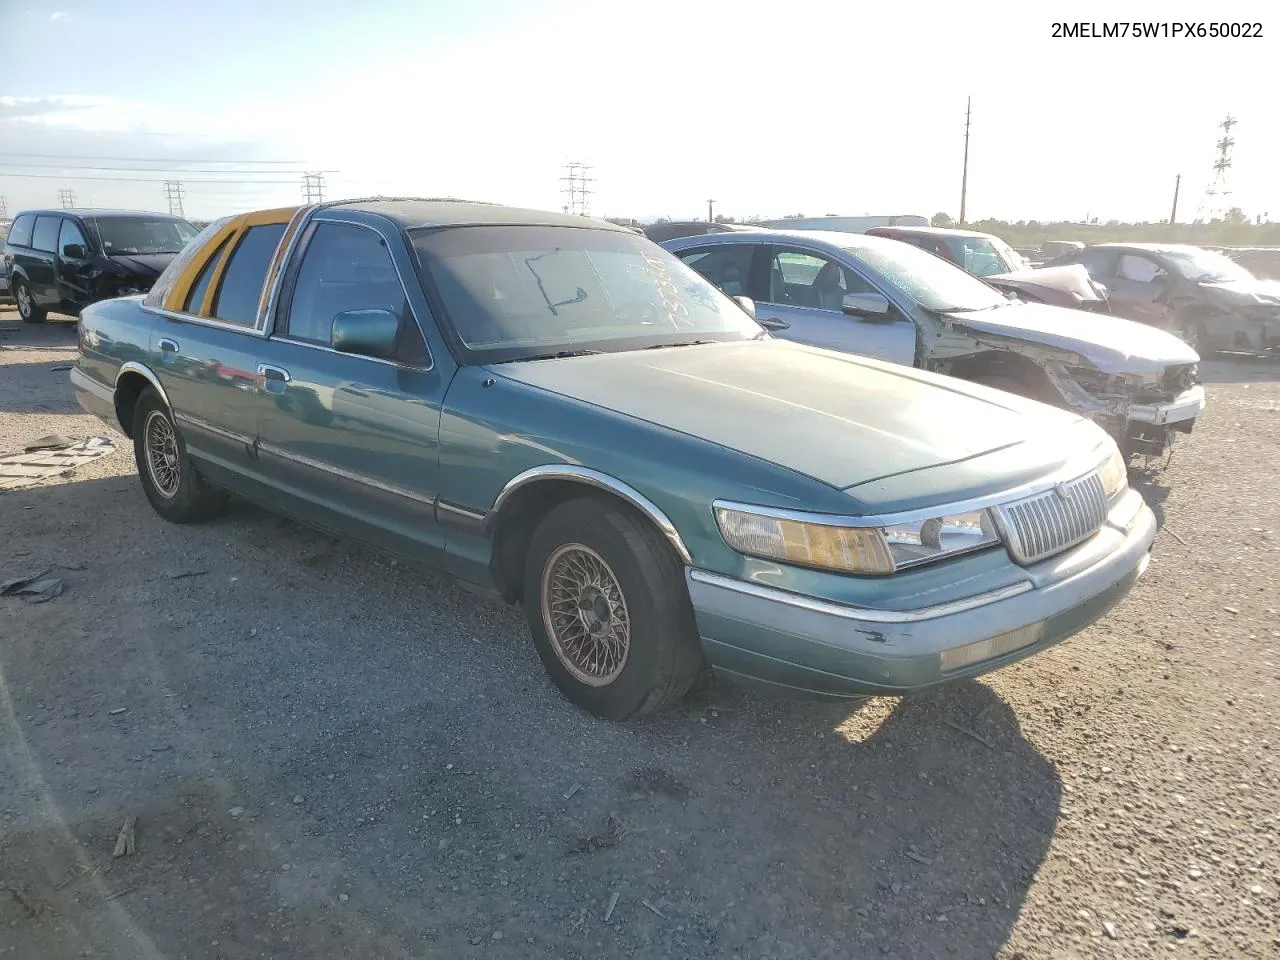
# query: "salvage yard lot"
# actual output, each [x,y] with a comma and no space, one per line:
[329,754]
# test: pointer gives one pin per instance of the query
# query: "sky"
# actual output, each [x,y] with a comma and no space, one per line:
[769,109]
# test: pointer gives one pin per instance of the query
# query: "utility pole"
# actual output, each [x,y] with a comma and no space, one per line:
[964,177]
[66,197]
[575,189]
[313,187]
[711,216]
[1215,195]
[173,194]
[1173,216]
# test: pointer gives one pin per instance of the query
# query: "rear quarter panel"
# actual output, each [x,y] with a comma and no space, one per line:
[113,333]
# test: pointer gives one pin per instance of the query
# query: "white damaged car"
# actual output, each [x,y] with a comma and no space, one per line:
[887,299]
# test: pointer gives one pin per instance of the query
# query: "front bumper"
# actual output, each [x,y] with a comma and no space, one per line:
[1186,406]
[831,650]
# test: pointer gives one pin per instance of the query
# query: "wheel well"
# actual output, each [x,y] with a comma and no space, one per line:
[998,363]
[128,389]
[513,528]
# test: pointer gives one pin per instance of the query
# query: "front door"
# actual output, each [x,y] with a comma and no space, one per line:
[1137,290]
[73,266]
[806,291]
[347,440]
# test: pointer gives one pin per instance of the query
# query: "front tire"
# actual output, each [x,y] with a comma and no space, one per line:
[610,615]
[27,308]
[169,478]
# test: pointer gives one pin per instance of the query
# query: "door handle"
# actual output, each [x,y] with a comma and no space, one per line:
[269,372]
[168,346]
[774,323]
[272,378]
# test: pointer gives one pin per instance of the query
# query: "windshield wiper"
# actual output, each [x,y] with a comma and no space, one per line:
[682,343]
[558,355]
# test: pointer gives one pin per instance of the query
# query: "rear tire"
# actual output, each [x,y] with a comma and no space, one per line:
[610,615]
[169,478]
[27,309]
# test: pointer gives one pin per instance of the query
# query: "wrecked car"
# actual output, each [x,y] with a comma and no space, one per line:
[987,256]
[559,411]
[891,300]
[60,261]
[1208,299]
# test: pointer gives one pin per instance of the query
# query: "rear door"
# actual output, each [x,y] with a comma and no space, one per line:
[206,345]
[1138,288]
[348,440]
[38,260]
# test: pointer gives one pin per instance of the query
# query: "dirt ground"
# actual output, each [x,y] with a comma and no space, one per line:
[330,755]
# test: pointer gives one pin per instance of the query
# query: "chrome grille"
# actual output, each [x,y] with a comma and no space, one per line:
[1048,523]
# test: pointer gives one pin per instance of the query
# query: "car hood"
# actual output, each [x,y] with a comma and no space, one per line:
[1111,344]
[1251,291]
[1071,279]
[838,418]
[147,266]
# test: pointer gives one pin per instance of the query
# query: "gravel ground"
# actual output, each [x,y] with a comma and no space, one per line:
[330,755]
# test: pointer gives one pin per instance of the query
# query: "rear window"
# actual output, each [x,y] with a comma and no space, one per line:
[20,230]
[164,285]
[245,275]
[45,235]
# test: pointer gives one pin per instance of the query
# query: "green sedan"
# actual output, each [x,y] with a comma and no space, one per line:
[560,411]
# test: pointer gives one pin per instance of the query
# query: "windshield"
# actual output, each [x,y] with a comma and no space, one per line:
[142,235]
[1205,266]
[927,279]
[984,256]
[516,292]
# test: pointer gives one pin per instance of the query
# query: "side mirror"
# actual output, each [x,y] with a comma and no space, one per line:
[747,304]
[870,305]
[370,333]
[73,251]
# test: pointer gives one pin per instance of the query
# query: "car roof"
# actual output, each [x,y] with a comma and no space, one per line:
[100,213]
[934,231]
[1151,247]
[833,239]
[413,212]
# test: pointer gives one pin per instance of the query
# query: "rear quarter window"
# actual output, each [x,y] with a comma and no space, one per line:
[20,230]
[178,265]
[245,275]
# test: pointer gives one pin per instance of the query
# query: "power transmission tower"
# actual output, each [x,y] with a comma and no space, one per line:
[66,197]
[576,190]
[4,209]
[313,187]
[173,194]
[964,177]
[1214,200]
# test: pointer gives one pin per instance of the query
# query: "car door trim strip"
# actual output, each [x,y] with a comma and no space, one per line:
[463,518]
[200,424]
[417,496]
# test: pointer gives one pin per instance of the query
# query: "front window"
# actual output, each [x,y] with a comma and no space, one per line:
[517,292]
[926,279]
[1205,266]
[131,236]
[985,256]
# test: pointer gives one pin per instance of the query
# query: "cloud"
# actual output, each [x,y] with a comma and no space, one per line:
[59,15]
[12,108]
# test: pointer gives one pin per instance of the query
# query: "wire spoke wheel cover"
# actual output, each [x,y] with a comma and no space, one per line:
[163,463]
[585,614]
[24,300]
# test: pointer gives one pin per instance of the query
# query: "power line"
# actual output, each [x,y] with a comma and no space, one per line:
[63,156]
[93,166]
[54,176]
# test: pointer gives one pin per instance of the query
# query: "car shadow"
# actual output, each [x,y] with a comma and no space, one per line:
[329,754]
[1239,368]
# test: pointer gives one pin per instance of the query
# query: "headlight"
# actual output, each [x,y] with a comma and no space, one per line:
[1115,475]
[877,550]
